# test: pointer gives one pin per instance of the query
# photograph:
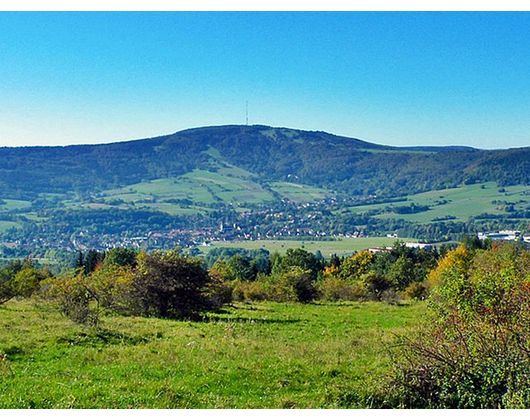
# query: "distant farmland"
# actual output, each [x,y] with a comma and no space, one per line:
[340,246]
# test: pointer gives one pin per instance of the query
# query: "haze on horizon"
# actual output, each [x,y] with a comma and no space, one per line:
[400,79]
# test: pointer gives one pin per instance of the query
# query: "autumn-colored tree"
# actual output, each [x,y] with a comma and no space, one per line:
[357,265]
[454,263]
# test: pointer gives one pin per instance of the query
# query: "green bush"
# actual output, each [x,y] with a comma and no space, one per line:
[27,281]
[163,284]
[74,298]
[20,279]
[122,257]
[416,291]
[474,352]
[256,291]
[111,286]
[171,285]
[332,289]
[294,285]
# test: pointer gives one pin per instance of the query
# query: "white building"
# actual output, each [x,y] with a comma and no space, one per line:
[502,235]
[417,245]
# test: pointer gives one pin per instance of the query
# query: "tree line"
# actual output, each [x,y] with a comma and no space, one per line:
[174,285]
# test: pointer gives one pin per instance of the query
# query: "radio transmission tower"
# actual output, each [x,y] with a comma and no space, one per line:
[247,111]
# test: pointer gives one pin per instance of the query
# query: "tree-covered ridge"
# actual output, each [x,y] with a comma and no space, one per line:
[343,164]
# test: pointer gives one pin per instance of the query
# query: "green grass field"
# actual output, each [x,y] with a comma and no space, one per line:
[299,193]
[264,355]
[341,246]
[228,185]
[6,224]
[461,203]
[14,205]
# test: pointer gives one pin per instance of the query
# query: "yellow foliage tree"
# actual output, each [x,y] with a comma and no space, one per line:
[455,261]
[356,265]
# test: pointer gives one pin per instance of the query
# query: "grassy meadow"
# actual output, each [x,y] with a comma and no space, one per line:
[461,203]
[339,246]
[260,355]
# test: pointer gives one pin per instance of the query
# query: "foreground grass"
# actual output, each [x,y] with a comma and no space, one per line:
[265,355]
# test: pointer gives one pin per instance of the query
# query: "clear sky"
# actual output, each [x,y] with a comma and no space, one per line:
[390,78]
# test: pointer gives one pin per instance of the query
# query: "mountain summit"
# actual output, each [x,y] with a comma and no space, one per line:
[315,158]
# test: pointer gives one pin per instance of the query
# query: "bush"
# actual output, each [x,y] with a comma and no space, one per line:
[7,291]
[27,281]
[218,292]
[73,297]
[20,279]
[357,265]
[167,285]
[302,283]
[170,285]
[297,259]
[374,285]
[122,257]
[111,286]
[256,291]
[475,350]
[333,289]
[295,285]
[82,297]
[416,291]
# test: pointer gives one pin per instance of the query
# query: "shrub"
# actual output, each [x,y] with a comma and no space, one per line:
[240,268]
[374,285]
[333,289]
[27,281]
[20,279]
[111,286]
[357,265]
[258,290]
[297,259]
[122,257]
[416,291]
[295,285]
[170,285]
[167,285]
[73,297]
[475,350]
[6,287]
[218,292]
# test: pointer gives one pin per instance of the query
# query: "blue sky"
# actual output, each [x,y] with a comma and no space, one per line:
[391,78]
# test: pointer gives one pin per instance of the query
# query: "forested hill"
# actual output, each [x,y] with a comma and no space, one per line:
[321,159]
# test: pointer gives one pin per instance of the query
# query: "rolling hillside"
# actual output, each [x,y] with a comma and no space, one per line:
[253,182]
[266,154]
